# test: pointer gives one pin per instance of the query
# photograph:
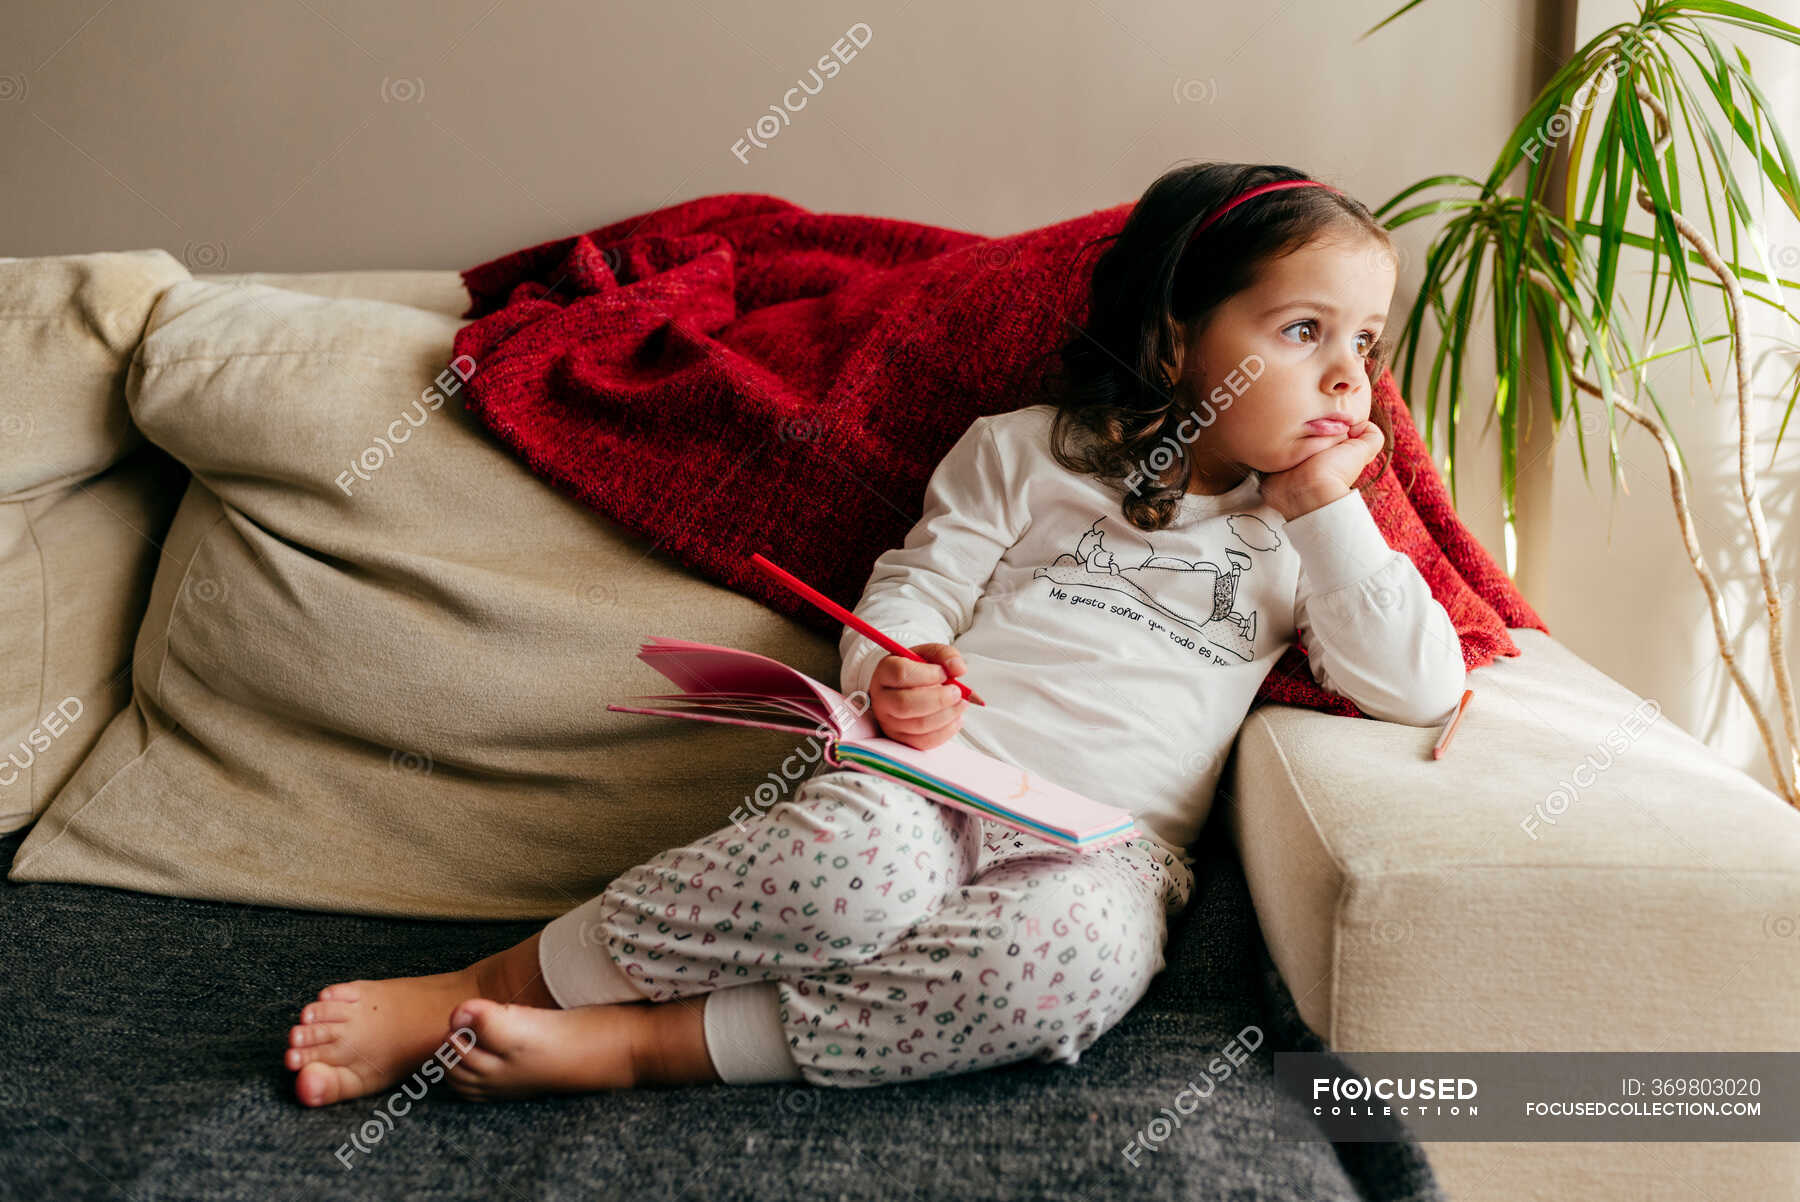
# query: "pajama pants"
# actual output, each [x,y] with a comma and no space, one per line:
[858,933]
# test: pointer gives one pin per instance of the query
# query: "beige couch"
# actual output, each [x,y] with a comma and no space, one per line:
[1577,874]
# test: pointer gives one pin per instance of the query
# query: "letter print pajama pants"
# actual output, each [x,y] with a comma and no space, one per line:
[858,933]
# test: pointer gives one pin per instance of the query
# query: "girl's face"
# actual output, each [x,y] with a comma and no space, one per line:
[1283,353]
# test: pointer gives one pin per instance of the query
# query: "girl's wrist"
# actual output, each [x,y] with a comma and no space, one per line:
[1314,497]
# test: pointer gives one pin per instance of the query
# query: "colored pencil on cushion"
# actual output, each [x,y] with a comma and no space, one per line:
[1450,725]
[847,618]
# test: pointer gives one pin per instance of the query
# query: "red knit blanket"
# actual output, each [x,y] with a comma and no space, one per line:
[736,374]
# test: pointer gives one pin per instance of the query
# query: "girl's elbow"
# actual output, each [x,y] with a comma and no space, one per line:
[1430,702]
[1434,706]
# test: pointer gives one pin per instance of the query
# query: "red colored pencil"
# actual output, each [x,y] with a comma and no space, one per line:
[1450,725]
[847,618]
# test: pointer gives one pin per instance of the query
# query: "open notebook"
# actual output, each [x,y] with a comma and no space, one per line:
[723,684]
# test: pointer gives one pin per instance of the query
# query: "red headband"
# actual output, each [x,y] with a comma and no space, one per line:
[1241,197]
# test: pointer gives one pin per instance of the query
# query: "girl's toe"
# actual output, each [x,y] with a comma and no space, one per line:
[473,1013]
[319,1084]
[469,1091]
[299,1058]
[476,1064]
[326,1012]
[308,1036]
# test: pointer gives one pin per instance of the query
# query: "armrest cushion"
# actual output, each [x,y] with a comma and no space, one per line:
[1576,873]
[83,506]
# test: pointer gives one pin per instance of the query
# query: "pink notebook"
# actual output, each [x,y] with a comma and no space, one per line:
[723,684]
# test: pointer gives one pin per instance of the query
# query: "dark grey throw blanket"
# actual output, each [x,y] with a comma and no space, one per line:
[141,1037]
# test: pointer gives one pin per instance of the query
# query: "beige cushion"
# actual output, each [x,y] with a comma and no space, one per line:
[387,695]
[83,505]
[438,291]
[1409,908]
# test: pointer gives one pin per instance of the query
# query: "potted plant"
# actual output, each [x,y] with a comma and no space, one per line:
[1606,133]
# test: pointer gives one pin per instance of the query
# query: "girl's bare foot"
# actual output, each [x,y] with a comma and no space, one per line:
[360,1037]
[363,1036]
[521,1051]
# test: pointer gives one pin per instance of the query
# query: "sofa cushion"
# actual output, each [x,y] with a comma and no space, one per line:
[1576,874]
[437,291]
[374,670]
[83,504]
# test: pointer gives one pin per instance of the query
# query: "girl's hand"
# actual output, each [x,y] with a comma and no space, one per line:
[912,702]
[1325,475]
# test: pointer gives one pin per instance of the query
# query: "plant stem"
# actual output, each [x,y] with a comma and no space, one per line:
[1784,684]
[1785,777]
[1715,600]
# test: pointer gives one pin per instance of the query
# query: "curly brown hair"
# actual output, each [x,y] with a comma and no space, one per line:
[1157,284]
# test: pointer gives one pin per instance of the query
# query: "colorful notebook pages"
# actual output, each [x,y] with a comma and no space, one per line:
[742,688]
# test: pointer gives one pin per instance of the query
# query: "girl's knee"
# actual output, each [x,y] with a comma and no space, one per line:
[863,804]
[853,859]
[1071,946]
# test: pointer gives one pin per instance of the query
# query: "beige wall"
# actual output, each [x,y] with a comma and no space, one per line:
[336,134]
[333,134]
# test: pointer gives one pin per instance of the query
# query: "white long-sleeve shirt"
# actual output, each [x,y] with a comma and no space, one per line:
[1121,663]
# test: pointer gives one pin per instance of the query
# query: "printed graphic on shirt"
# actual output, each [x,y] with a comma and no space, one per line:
[1200,594]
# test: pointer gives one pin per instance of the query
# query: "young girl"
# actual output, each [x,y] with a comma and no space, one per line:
[1115,571]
